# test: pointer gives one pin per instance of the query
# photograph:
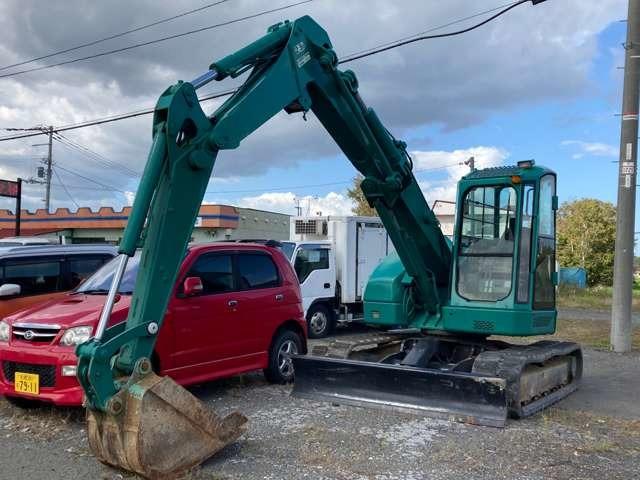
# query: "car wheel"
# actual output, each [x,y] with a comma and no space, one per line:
[320,321]
[280,369]
[25,403]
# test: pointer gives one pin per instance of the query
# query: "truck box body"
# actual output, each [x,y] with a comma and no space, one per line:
[358,244]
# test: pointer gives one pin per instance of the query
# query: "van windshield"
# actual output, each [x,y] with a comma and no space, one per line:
[100,281]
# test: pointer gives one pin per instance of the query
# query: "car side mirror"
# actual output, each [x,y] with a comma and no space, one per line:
[192,286]
[9,290]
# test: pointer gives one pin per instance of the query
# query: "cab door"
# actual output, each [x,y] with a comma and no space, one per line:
[262,303]
[203,324]
[316,271]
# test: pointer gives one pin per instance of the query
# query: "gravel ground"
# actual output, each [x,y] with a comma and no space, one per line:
[593,434]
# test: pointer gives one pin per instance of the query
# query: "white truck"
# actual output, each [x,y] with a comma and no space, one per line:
[334,257]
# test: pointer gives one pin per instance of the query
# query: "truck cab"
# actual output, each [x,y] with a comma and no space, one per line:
[333,258]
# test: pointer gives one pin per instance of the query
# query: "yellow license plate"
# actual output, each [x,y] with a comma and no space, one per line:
[27,383]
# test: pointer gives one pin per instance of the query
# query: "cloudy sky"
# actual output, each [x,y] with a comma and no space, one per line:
[540,82]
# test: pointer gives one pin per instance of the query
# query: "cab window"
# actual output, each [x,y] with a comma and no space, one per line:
[215,272]
[35,277]
[524,261]
[257,271]
[544,288]
[310,258]
[485,252]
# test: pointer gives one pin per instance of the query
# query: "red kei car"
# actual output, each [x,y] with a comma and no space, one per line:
[235,308]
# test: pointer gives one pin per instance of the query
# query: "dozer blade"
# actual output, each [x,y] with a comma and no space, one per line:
[162,430]
[463,397]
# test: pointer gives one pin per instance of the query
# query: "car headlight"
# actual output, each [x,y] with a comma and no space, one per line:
[5,331]
[76,336]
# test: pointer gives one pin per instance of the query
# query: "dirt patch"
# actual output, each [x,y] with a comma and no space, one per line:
[598,434]
[593,333]
[40,422]
[586,332]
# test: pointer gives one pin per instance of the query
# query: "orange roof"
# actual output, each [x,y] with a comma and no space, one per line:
[210,216]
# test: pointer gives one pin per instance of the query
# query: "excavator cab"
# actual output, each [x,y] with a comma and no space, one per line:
[503,273]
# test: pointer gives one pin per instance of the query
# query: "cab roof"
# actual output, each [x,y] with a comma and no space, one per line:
[230,245]
[43,250]
[532,172]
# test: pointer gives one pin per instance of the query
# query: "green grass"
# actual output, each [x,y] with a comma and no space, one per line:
[591,298]
[593,333]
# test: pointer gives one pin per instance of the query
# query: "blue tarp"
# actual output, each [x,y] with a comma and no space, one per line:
[573,276]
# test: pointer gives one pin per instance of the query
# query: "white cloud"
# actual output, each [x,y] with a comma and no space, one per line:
[285,202]
[595,149]
[410,87]
[129,197]
[333,203]
[453,163]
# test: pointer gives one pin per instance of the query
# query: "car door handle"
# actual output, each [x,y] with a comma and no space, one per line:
[279,297]
[327,285]
[232,303]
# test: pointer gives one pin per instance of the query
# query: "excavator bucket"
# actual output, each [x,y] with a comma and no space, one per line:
[161,431]
[463,397]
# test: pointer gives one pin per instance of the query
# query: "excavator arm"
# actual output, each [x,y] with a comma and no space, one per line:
[293,68]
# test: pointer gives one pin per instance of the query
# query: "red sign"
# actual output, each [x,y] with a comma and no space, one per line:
[8,188]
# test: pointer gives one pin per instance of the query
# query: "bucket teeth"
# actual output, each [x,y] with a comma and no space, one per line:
[162,431]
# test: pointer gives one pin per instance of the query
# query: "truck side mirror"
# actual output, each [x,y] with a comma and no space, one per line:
[192,286]
[9,290]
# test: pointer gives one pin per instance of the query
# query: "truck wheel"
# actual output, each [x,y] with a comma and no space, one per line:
[320,321]
[280,369]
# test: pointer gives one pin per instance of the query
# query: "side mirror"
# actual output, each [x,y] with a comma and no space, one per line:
[192,286]
[9,290]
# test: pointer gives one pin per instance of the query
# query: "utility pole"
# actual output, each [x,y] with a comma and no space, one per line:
[47,198]
[621,327]
[18,205]
[48,162]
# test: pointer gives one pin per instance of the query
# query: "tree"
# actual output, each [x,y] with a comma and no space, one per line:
[586,238]
[361,206]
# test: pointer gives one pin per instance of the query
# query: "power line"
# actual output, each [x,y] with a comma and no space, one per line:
[440,35]
[96,157]
[342,182]
[432,29]
[84,187]
[111,187]
[100,121]
[349,58]
[65,188]
[157,40]
[116,35]
[290,187]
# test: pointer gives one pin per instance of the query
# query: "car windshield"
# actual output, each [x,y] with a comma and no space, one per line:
[100,281]
[287,248]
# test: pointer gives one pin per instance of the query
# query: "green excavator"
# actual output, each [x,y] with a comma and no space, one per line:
[439,302]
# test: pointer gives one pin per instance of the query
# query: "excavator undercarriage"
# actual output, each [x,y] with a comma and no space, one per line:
[466,379]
